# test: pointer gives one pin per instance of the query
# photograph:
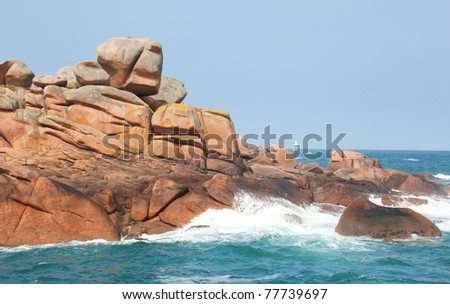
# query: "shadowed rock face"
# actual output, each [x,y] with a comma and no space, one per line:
[105,150]
[363,218]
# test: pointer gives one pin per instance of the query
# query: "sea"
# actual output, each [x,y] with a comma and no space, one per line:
[254,243]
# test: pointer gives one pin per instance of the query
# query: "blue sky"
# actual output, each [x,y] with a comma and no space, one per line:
[379,70]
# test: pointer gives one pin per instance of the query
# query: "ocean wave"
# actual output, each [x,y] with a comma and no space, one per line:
[271,220]
[412,159]
[251,219]
[442,176]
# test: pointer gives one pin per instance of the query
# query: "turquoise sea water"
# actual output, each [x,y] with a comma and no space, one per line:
[253,244]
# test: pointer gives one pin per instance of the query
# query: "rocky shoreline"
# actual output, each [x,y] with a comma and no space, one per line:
[105,149]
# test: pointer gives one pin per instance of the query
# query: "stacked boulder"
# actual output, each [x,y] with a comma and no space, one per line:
[15,73]
[106,106]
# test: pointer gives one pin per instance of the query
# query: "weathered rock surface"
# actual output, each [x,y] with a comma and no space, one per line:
[221,188]
[171,90]
[134,65]
[37,210]
[364,218]
[183,210]
[351,159]
[417,185]
[68,73]
[90,73]
[214,128]
[46,80]
[165,191]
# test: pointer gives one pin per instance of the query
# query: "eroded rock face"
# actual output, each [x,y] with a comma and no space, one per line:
[37,210]
[134,65]
[363,218]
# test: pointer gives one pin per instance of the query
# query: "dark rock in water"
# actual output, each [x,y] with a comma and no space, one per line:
[364,218]
[198,227]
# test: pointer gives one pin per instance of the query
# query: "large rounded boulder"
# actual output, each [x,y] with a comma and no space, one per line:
[364,218]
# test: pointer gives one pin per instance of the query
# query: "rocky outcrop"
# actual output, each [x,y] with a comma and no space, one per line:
[104,149]
[363,218]
[351,159]
[409,184]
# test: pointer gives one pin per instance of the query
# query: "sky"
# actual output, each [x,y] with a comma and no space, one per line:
[376,70]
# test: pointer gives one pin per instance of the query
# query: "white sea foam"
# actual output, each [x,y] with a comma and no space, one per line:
[412,159]
[255,218]
[443,176]
[251,219]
